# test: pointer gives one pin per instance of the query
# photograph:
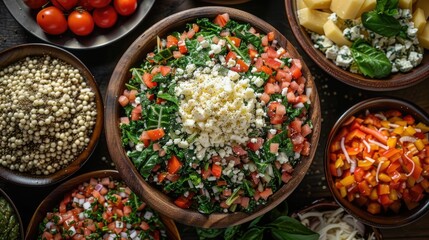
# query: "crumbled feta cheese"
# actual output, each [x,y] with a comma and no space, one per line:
[332,52]
[403,65]
[344,57]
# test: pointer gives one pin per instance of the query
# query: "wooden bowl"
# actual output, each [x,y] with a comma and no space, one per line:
[392,82]
[16,53]
[158,200]
[54,198]
[323,205]
[388,220]
[18,217]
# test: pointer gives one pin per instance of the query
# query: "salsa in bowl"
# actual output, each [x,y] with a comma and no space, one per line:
[215,116]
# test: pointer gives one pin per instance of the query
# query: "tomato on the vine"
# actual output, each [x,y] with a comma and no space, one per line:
[35,4]
[99,3]
[80,22]
[105,17]
[52,20]
[125,7]
[64,5]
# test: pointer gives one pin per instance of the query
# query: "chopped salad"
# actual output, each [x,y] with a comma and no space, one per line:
[217,116]
[102,209]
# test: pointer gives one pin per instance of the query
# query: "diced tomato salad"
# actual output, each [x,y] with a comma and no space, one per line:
[380,161]
[101,209]
[231,177]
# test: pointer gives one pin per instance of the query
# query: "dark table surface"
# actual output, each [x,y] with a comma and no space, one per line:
[335,98]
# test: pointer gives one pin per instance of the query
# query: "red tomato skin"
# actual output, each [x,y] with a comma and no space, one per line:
[81,23]
[105,17]
[125,7]
[85,4]
[35,4]
[64,5]
[99,3]
[52,20]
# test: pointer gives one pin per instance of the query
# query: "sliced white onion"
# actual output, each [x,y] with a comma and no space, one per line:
[378,144]
[368,147]
[378,170]
[407,139]
[381,116]
[308,91]
[370,159]
[412,163]
[343,148]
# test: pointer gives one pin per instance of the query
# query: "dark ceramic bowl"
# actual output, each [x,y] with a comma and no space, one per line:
[54,198]
[16,53]
[18,217]
[121,75]
[392,82]
[389,219]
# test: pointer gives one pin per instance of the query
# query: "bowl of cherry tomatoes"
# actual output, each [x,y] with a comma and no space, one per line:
[78,24]
[377,162]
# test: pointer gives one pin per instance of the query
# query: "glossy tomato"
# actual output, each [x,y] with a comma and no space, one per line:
[35,4]
[99,3]
[81,22]
[64,5]
[105,17]
[125,7]
[52,20]
[85,5]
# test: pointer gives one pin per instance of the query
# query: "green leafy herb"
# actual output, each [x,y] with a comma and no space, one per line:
[371,62]
[389,7]
[158,116]
[382,24]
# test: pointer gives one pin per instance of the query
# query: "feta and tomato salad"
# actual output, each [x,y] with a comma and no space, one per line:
[102,208]
[380,161]
[217,116]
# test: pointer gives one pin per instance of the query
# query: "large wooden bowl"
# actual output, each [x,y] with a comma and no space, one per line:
[18,217]
[54,198]
[158,200]
[392,82]
[384,220]
[16,53]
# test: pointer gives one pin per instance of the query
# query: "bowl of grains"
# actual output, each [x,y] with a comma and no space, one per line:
[51,114]
[213,117]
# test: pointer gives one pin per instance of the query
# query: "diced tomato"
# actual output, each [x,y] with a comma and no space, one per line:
[155,134]
[266,70]
[274,148]
[237,149]
[255,145]
[295,71]
[183,202]
[296,62]
[253,53]
[266,193]
[269,88]
[171,41]
[136,113]
[286,177]
[182,47]
[147,79]
[271,36]
[264,41]
[265,98]
[216,170]
[174,165]
[125,120]
[273,63]
[144,225]
[305,130]
[221,20]
[230,55]
[282,75]
[190,34]
[123,100]
[165,70]
[236,41]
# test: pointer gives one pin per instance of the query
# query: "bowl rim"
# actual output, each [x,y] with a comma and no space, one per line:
[9,200]
[53,198]
[360,214]
[402,80]
[40,49]
[158,200]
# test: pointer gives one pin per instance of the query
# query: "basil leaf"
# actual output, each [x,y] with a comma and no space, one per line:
[382,24]
[286,227]
[371,62]
[231,232]
[253,234]
[386,6]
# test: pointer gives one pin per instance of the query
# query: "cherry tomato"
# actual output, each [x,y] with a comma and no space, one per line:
[80,22]
[35,4]
[125,7]
[85,4]
[52,20]
[105,17]
[99,3]
[64,5]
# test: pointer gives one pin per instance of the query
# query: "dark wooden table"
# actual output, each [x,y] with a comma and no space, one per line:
[335,98]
